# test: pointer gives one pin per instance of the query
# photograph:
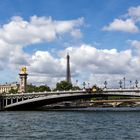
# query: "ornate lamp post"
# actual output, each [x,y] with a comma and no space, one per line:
[130,83]
[120,82]
[88,85]
[84,84]
[136,82]
[124,81]
[105,83]
[76,82]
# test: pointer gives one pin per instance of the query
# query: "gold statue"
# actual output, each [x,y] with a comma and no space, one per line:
[23,70]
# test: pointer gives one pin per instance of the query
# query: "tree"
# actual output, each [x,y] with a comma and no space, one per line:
[63,85]
[30,88]
[76,88]
[13,91]
[42,88]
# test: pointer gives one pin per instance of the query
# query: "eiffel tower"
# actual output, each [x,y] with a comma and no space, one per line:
[68,74]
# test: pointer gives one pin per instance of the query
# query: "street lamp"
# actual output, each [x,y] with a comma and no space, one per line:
[130,83]
[105,83]
[120,82]
[136,82]
[88,85]
[124,81]
[84,84]
[76,82]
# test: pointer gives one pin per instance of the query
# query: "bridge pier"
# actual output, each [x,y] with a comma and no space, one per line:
[1,103]
[5,102]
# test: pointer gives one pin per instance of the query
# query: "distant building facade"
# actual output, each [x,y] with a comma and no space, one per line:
[6,88]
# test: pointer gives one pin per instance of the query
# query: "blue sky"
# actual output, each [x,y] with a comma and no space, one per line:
[96,25]
[96,13]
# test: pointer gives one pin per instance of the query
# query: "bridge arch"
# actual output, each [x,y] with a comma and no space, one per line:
[47,100]
[36,100]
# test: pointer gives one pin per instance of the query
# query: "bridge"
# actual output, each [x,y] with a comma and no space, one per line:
[116,102]
[29,101]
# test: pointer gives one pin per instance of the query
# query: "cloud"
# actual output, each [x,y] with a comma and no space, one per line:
[38,29]
[43,62]
[87,64]
[120,25]
[136,47]
[128,22]
[134,43]
[99,61]
[76,33]
[19,33]
[134,13]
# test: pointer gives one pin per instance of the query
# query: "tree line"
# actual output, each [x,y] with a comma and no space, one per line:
[62,85]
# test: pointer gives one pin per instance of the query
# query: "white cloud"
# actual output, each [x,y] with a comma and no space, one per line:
[121,25]
[136,48]
[38,29]
[134,43]
[128,22]
[44,63]
[76,33]
[134,13]
[86,60]
[19,33]
[87,64]
[98,60]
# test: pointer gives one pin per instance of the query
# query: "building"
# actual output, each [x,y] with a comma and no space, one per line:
[6,88]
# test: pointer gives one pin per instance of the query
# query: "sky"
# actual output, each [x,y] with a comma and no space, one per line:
[101,36]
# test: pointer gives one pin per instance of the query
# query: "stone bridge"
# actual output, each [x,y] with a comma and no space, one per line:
[28,101]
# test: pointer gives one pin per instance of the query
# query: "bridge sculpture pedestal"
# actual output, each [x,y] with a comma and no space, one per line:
[23,80]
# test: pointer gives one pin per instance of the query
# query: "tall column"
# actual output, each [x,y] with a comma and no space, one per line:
[68,74]
[23,79]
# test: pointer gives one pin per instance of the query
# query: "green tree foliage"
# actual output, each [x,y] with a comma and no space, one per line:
[33,88]
[76,88]
[63,85]
[13,91]
[30,88]
[43,88]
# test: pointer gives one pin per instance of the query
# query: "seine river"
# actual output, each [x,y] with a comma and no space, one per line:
[78,124]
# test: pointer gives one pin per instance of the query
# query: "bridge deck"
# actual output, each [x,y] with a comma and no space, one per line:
[33,100]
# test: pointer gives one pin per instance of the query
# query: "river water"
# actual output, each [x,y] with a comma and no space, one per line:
[73,124]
